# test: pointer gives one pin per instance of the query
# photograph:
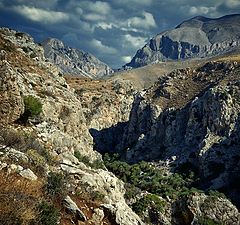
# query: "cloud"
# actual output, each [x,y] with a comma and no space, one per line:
[126,59]
[136,42]
[94,17]
[99,7]
[100,47]
[41,15]
[132,2]
[105,26]
[146,22]
[201,10]
[231,4]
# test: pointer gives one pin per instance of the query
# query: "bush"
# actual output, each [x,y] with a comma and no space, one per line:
[97,196]
[48,214]
[82,158]
[96,164]
[55,184]
[151,201]
[32,108]
[217,194]
[207,221]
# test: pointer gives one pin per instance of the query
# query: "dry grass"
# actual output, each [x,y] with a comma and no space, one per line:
[230,58]
[19,198]
[181,91]
[144,77]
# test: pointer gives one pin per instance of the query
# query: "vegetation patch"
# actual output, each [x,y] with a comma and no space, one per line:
[32,108]
[48,214]
[96,164]
[55,184]
[148,178]
[149,201]
[207,221]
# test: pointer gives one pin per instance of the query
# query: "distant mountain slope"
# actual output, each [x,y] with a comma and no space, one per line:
[74,61]
[197,37]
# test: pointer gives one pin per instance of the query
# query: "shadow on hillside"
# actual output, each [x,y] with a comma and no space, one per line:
[107,139]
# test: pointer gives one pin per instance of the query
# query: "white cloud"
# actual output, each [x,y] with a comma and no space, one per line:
[136,42]
[126,58]
[146,22]
[105,26]
[41,15]
[94,17]
[104,49]
[139,2]
[232,3]
[99,7]
[201,10]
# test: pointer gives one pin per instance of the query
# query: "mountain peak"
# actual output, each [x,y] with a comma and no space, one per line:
[54,42]
[74,61]
[194,38]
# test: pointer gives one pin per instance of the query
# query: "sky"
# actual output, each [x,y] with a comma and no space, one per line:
[111,30]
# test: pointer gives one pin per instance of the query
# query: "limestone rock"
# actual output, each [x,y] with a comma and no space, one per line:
[97,217]
[73,209]
[11,103]
[28,174]
[197,207]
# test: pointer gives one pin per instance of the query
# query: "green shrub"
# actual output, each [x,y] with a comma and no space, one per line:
[150,200]
[82,158]
[32,108]
[131,191]
[55,184]
[48,214]
[97,196]
[96,164]
[217,194]
[207,221]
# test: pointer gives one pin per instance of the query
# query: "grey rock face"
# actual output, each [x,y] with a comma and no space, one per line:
[197,37]
[202,133]
[198,207]
[74,61]
[72,208]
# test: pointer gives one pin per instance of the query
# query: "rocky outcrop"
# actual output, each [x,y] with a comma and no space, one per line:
[200,209]
[73,209]
[74,61]
[197,37]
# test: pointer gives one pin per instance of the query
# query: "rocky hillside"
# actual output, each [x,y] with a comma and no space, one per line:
[49,172]
[74,61]
[197,37]
[189,120]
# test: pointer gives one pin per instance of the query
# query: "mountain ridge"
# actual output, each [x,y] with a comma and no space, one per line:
[194,38]
[74,61]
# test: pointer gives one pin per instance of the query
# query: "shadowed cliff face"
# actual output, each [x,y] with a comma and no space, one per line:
[197,37]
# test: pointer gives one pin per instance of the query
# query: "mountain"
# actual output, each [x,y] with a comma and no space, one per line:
[197,37]
[74,61]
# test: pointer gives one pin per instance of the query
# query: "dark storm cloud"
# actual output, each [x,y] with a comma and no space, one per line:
[111,30]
